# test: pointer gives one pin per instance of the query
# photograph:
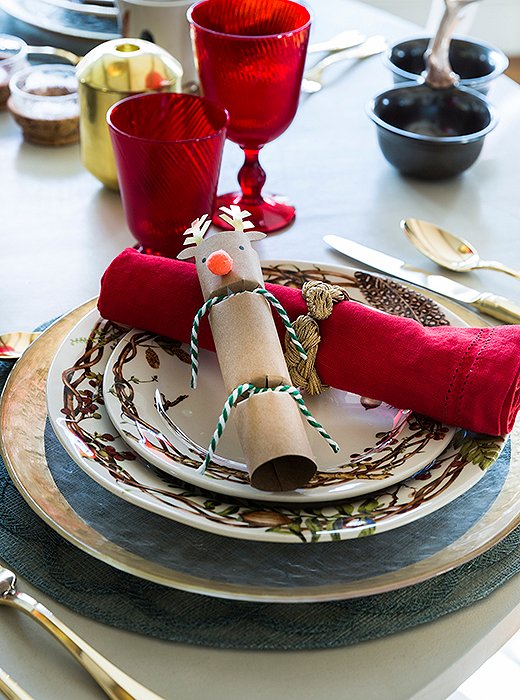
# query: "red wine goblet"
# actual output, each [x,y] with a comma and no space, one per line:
[250,57]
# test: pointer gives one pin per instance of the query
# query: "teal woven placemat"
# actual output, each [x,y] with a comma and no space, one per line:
[103,593]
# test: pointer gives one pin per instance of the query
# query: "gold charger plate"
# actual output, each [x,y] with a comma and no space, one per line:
[22,426]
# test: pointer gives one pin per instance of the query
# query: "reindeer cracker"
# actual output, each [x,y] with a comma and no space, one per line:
[268,409]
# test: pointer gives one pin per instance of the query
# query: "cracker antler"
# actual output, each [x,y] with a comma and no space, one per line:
[197,230]
[234,216]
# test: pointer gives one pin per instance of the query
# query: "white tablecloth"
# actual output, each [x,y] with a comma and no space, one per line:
[60,229]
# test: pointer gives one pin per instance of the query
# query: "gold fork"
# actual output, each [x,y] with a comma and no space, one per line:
[10,688]
[115,683]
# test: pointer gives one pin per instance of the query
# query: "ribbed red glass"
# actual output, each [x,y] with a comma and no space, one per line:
[250,56]
[168,151]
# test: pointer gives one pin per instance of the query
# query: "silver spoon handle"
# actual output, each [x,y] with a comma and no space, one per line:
[11,689]
[344,40]
[374,44]
[500,267]
[115,683]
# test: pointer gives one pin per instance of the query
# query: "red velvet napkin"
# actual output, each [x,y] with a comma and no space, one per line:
[468,377]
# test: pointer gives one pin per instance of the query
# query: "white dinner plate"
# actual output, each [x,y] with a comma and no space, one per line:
[79,418]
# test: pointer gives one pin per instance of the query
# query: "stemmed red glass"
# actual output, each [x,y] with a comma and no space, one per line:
[250,57]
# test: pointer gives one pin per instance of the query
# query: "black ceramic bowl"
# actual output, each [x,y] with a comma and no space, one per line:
[431,134]
[476,62]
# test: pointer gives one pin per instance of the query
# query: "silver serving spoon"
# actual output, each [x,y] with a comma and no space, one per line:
[448,250]
[116,684]
[439,73]
[14,343]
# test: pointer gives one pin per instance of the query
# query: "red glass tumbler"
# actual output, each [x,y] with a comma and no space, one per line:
[250,57]
[168,151]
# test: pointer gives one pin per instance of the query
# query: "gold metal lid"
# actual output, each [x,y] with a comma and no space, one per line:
[127,66]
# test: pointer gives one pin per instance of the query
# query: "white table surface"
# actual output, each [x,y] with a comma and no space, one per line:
[60,229]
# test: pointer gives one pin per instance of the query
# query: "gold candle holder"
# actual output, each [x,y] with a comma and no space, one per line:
[111,71]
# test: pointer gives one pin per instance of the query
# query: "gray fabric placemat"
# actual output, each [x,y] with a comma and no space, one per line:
[100,592]
[276,565]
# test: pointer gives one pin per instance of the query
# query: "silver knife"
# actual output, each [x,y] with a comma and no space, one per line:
[499,307]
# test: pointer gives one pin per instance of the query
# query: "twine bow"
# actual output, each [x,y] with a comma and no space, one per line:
[320,298]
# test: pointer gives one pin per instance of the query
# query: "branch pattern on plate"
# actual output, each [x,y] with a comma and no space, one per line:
[83,408]
[82,397]
[386,455]
[381,459]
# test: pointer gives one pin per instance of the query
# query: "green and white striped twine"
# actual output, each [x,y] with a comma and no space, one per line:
[250,390]
[285,319]
[194,339]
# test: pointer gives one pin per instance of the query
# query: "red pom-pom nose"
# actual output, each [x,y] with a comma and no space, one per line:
[220,263]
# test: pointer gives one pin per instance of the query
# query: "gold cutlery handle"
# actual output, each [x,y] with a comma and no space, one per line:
[499,307]
[10,688]
[115,683]
[499,267]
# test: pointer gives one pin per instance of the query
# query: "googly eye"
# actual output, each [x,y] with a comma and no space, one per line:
[241,247]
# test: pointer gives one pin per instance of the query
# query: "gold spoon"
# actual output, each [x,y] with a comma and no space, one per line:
[13,344]
[448,250]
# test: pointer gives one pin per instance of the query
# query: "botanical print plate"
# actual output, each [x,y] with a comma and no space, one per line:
[79,418]
[148,398]
[158,549]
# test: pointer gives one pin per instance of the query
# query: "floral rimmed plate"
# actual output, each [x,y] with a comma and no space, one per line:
[96,521]
[79,418]
[99,24]
[148,398]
